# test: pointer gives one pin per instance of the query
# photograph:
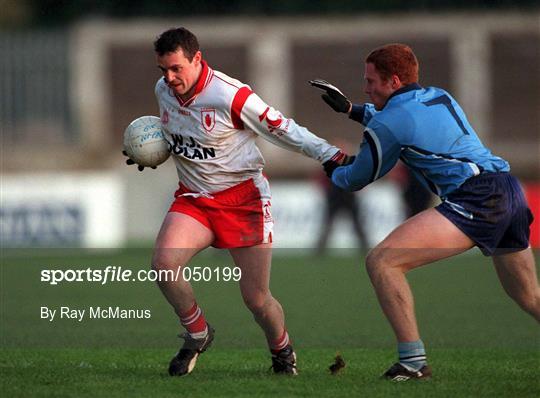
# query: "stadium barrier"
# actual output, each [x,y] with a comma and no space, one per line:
[105,211]
[59,210]
[532,192]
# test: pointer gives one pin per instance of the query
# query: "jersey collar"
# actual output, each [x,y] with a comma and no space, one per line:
[404,89]
[204,79]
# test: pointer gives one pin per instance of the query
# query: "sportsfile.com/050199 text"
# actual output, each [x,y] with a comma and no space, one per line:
[121,274]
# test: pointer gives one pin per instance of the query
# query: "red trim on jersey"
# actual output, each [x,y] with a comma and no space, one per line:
[237,104]
[204,79]
[262,116]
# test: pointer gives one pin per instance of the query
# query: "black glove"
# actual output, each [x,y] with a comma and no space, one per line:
[339,159]
[130,161]
[333,97]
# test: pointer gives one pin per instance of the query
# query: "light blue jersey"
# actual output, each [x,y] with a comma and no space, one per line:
[428,131]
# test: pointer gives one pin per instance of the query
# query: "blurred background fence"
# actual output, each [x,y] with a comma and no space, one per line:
[74,74]
[77,88]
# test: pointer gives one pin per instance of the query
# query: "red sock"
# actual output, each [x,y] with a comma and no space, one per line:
[193,320]
[279,344]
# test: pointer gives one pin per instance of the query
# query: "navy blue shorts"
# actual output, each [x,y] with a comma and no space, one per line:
[491,210]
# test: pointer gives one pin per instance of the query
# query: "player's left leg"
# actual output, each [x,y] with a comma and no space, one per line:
[517,273]
[423,239]
[255,264]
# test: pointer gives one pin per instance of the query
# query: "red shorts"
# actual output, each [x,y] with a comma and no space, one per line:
[238,216]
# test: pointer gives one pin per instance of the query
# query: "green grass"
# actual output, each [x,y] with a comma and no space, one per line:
[228,373]
[479,342]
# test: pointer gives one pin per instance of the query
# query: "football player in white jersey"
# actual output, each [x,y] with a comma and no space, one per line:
[211,122]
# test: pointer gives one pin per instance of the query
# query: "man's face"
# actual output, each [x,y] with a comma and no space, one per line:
[180,74]
[376,88]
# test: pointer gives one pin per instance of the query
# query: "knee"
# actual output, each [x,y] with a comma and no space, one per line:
[529,302]
[257,303]
[162,260]
[375,263]
[380,263]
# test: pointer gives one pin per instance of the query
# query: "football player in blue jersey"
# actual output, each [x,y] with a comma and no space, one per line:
[482,204]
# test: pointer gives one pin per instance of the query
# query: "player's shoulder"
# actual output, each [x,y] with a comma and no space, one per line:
[227,83]
[407,106]
[393,112]
[395,119]
[223,92]
[160,86]
[431,94]
[224,78]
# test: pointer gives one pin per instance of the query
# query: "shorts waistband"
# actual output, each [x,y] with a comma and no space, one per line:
[485,174]
[237,189]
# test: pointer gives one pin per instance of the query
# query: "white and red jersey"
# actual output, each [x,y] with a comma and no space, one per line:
[212,135]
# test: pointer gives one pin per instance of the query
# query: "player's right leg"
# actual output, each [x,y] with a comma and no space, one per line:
[517,273]
[513,257]
[255,262]
[180,238]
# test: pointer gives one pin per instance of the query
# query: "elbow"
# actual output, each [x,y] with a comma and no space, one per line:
[349,184]
[348,187]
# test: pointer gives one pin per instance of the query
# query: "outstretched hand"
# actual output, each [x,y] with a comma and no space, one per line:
[333,96]
[130,161]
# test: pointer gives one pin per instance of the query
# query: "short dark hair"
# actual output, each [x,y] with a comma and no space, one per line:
[172,39]
[395,59]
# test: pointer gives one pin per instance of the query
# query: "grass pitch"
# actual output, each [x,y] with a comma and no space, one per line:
[479,343]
